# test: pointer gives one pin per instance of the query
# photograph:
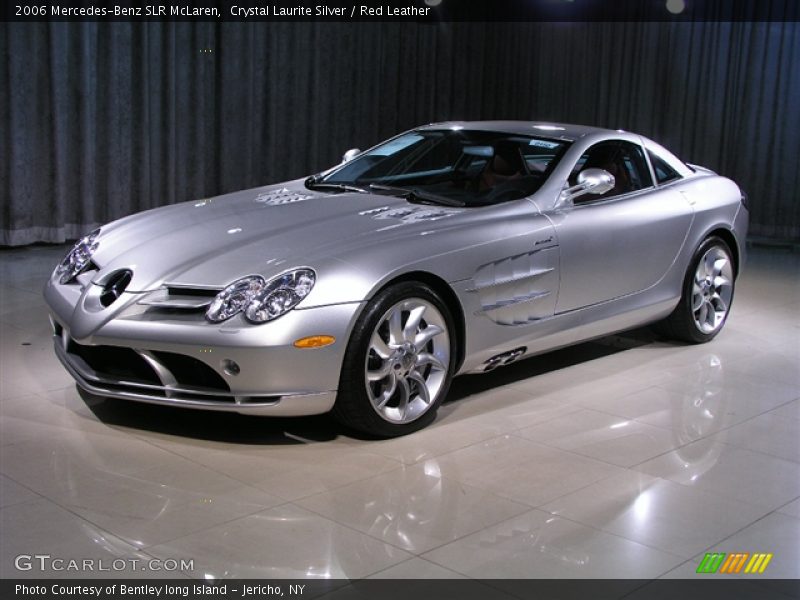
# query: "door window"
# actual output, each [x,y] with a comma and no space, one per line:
[624,160]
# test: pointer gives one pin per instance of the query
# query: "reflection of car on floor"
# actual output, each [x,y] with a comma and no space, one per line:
[452,248]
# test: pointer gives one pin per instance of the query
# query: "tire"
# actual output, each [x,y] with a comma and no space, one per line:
[398,364]
[707,295]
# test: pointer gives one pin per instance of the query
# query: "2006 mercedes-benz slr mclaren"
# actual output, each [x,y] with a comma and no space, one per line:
[452,248]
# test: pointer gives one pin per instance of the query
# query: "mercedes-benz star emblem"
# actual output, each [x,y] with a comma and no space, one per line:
[114,287]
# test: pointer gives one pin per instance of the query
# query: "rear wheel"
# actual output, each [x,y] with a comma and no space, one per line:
[707,295]
[398,364]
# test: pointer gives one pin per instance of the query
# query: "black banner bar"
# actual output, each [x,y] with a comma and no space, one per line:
[424,11]
[702,588]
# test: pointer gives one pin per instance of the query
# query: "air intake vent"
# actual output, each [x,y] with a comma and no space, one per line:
[173,290]
[116,363]
[191,372]
[180,297]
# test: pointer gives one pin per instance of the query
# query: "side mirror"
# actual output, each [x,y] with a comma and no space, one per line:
[591,181]
[350,154]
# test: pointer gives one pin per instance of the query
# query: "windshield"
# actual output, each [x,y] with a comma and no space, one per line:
[468,168]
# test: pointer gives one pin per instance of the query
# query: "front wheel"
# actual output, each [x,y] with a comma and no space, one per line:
[707,295]
[398,364]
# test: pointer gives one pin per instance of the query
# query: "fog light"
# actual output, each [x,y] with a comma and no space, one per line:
[314,341]
[230,367]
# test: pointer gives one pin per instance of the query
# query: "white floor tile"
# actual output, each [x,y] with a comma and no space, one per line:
[539,545]
[747,476]
[655,512]
[769,433]
[792,509]
[13,493]
[416,568]
[285,542]
[40,527]
[521,470]
[414,508]
[601,436]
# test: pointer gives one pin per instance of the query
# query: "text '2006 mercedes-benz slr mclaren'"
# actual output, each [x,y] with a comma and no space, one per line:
[452,248]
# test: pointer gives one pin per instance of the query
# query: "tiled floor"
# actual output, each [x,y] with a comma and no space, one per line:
[625,457]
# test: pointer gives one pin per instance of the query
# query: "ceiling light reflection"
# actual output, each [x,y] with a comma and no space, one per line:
[676,7]
[641,506]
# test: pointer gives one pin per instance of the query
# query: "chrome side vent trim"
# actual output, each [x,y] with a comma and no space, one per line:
[511,303]
[513,279]
[520,289]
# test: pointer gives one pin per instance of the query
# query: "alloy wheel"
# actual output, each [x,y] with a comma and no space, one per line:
[712,290]
[407,360]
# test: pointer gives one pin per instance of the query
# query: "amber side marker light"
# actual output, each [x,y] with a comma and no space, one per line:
[314,341]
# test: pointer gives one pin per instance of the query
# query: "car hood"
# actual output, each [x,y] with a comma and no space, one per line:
[262,231]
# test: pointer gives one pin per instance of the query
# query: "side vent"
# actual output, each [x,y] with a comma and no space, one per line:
[518,290]
[506,358]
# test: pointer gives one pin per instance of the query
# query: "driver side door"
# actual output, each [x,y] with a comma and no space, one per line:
[621,242]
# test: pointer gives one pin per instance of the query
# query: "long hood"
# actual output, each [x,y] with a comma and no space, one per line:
[260,231]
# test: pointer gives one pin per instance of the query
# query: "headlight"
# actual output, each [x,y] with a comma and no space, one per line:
[280,295]
[260,300]
[234,298]
[77,258]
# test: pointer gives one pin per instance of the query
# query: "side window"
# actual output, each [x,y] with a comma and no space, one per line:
[664,173]
[539,154]
[624,160]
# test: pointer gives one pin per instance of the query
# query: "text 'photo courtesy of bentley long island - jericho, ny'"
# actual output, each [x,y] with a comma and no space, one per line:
[362,290]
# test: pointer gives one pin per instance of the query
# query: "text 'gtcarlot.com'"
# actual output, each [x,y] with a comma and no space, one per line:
[47,562]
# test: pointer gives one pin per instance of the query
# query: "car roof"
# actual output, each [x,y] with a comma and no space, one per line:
[565,131]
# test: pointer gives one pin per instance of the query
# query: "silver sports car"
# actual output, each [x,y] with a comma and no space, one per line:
[452,248]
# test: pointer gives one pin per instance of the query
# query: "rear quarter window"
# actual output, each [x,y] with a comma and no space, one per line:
[664,173]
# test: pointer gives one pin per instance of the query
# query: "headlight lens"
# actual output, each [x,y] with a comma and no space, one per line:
[280,295]
[77,258]
[234,298]
[261,300]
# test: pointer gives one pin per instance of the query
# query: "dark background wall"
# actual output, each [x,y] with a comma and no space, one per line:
[102,120]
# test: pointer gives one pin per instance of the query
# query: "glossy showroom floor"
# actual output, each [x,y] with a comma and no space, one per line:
[627,457]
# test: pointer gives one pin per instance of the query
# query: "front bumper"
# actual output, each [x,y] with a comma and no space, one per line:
[139,354]
[192,397]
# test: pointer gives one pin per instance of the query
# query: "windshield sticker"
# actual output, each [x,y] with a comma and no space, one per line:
[397,145]
[411,214]
[544,144]
[281,196]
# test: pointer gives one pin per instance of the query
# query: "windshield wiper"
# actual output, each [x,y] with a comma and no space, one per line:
[417,196]
[312,184]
